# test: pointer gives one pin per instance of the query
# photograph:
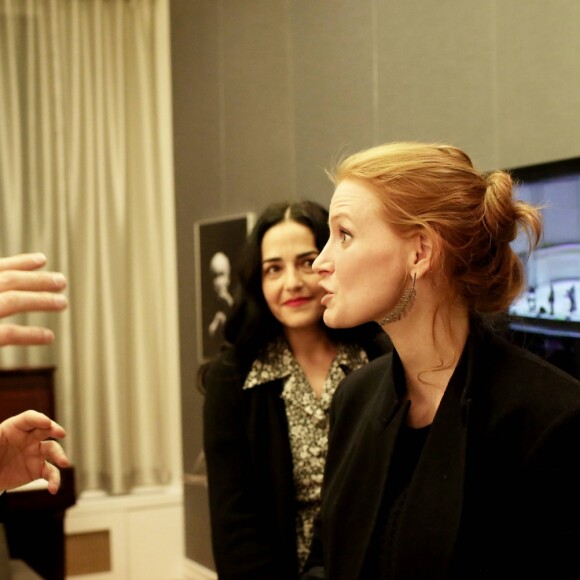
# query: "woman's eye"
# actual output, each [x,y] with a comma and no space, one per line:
[306,265]
[271,270]
[344,236]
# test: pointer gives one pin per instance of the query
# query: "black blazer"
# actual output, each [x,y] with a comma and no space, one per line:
[250,481]
[250,474]
[496,492]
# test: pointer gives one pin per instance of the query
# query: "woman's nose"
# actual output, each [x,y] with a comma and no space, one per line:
[321,264]
[293,279]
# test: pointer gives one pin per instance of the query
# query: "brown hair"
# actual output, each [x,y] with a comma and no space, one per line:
[472,216]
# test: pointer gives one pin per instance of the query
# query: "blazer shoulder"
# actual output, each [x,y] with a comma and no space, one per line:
[516,381]
[373,369]
[514,359]
[362,384]
[225,366]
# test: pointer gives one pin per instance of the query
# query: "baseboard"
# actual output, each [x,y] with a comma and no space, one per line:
[195,571]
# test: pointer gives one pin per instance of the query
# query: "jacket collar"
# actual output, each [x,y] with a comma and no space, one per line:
[432,511]
[431,517]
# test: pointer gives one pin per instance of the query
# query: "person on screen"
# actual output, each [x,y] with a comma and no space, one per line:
[220,271]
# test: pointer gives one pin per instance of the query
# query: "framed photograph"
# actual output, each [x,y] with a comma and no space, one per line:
[218,244]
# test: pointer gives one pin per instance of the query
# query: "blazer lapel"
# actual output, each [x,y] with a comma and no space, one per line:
[378,440]
[430,521]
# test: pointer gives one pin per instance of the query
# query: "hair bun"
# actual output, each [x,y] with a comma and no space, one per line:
[499,210]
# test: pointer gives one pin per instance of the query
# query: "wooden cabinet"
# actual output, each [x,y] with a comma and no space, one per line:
[27,388]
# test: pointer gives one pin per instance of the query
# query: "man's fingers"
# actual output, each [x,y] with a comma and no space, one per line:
[52,475]
[54,453]
[30,261]
[40,424]
[15,302]
[34,281]
[14,334]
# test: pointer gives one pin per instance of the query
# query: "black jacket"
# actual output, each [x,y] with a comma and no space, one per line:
[250,475]
[496,492]
[249,468]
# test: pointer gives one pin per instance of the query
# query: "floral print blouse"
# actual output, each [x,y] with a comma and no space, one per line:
[307,422]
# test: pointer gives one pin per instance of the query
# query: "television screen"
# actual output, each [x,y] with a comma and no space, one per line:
[550,303]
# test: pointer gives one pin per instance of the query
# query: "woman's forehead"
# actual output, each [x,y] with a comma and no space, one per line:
[353,199]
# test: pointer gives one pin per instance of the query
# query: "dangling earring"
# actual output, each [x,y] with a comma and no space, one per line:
[403,306]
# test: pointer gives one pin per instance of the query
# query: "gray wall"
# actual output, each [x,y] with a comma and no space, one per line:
[267,93]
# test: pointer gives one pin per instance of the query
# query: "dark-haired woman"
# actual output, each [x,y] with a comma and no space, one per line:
[267,398]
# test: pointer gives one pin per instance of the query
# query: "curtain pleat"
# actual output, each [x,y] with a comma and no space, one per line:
[86,176]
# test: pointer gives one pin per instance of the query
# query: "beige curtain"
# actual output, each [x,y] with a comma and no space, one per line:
[86,176]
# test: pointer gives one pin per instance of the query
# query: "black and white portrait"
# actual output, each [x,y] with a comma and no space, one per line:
[218,245]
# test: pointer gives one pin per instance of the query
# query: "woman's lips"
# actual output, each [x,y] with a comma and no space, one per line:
[326,298]
[295,302]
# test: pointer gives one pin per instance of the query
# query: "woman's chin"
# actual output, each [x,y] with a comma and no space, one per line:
[332,320]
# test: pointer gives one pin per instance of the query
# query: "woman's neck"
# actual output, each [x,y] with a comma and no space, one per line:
[429,349]
[304,340]
[314,352]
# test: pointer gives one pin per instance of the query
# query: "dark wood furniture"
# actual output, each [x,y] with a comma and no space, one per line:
[27,388]
[33,518]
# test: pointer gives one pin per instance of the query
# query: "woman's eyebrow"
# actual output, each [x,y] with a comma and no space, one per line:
[305,255]
[298,256]
[336,216]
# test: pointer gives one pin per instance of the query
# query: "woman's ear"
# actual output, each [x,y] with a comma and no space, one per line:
[423,253]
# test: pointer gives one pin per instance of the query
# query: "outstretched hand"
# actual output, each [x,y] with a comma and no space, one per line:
[23,289]
[27,452]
